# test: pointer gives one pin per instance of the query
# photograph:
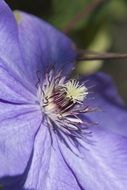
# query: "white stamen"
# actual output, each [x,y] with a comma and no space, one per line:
[76,91]
[59,99]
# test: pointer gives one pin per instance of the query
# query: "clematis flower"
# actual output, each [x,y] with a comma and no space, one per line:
[52,137]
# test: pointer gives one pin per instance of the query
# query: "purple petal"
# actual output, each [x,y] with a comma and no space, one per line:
[42,45]
[26,49]
[13,89]
[48,169]
[38,170]
[9,50]
[8,33]
[18,127]
[9,43]
[112,114]
[102,163]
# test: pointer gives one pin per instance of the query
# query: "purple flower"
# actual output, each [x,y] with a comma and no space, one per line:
[49,139]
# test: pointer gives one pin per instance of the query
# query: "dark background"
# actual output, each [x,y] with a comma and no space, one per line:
[99,25]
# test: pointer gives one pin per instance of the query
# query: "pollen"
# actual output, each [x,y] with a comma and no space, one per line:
[75,91]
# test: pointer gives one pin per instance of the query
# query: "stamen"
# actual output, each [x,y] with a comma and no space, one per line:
[76,91]
[62,103]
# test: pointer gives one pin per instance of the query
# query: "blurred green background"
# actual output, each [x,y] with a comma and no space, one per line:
[97,25]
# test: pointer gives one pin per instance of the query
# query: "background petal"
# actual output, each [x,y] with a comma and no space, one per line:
[18,127]
[103,95]
[42,45]
[102,163]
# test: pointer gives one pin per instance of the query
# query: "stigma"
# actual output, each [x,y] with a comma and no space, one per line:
[62,102]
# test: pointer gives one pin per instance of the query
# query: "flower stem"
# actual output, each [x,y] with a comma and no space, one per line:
[84,55]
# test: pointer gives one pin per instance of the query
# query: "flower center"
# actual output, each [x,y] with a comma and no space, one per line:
[62,102]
